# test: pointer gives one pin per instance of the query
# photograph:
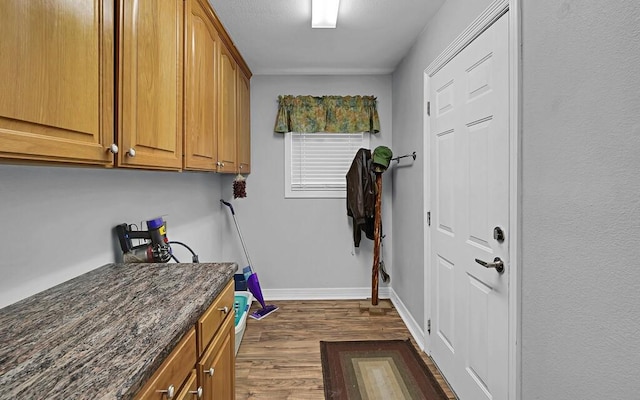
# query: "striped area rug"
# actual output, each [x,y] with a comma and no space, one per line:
[376,370]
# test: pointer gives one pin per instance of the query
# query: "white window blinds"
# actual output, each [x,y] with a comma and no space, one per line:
[316,163]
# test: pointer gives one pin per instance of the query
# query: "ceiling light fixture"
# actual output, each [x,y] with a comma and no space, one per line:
[324,13]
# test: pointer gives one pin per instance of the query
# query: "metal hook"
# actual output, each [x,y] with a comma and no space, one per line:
[413,155]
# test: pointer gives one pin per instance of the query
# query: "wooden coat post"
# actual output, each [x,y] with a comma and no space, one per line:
[377,222]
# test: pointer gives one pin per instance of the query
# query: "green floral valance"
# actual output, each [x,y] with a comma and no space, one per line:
[335,114]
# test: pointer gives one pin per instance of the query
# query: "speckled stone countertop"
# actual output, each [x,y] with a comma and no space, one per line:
[102,335]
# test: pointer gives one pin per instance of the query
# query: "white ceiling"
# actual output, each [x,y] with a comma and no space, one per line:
[275,36]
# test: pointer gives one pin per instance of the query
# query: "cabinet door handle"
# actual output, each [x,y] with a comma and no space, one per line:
[224,309]
[198,392]
[170,391]
[113,148]
[210,371]
[131,152]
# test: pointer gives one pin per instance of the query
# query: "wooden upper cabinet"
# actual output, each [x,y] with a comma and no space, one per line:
[202,47]
[56,90]
[244,123]
[150,80]
[73,88]
[227,112]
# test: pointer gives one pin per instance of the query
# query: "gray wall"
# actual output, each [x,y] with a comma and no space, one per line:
[407,194]
[580,208]
[580,200]
[57,222]
[302,243]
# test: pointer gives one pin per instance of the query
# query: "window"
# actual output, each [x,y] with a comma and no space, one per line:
[316,163]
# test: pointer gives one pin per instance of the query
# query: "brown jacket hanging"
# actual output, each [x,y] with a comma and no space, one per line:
[361,196]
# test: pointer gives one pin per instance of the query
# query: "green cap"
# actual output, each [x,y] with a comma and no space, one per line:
[381,157]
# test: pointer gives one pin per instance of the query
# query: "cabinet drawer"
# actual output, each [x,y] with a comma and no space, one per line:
[190,389]
[211,320]
[173,371]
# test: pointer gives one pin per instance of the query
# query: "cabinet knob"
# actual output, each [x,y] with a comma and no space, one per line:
[131,152]
[222,164]
[224,309]
[113,148]
[170,391]
[210,371]
[198,392]
[218,163]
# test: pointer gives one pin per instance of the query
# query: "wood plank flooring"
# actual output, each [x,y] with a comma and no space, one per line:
[279,357]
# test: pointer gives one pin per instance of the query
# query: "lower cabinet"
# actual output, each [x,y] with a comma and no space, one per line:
[202,365]
[169,378]
[190,390]
[216,368]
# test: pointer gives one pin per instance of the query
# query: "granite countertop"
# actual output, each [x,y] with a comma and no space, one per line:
[101,335]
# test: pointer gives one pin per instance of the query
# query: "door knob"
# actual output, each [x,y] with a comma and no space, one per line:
[170,391]
[497,264]
[198,392]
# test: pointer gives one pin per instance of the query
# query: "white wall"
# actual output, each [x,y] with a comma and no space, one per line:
[581,199]
[407,194]
[298,244]
[57,222]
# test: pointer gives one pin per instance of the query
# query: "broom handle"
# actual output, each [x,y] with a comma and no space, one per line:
[244,247]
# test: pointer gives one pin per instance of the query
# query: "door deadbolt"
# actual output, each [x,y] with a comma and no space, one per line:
[498,234]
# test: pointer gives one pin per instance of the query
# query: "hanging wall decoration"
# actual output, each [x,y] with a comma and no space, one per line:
[239,187]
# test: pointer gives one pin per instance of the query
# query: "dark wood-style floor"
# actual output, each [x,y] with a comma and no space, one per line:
[279,357]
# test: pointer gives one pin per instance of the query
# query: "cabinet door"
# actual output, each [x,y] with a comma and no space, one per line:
[56,91]
[216,369]
[227,109]
[244,123]
[173,372]
[190,390]
[202,45]
[150,76]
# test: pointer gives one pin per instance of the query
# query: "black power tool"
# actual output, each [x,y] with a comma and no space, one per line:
[158,250]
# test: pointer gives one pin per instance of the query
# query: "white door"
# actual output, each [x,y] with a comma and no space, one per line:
[469,189]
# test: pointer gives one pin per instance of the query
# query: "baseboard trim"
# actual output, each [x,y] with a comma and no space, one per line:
[324,294]
[409,321]
[384,292]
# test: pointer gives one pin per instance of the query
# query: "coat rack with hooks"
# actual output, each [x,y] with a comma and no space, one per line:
[397,159]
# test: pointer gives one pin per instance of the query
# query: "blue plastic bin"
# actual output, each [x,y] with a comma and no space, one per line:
[241,304]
